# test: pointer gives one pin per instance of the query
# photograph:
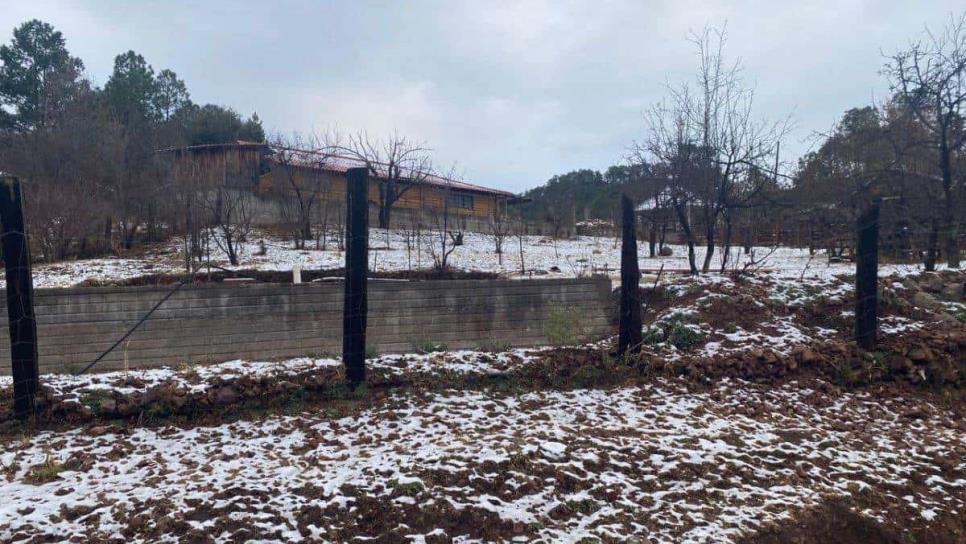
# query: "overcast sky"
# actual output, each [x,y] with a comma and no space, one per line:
[512,93]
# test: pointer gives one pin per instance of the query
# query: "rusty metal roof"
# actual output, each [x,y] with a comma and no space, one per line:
[340,163]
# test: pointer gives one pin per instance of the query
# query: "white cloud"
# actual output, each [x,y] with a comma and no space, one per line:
[514,92]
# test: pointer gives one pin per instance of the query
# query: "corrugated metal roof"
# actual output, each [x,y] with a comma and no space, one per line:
[341,163]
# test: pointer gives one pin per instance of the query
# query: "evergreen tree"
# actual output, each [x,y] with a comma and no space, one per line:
[171,95]
[252,130]
[213,124]
[38,77]
[132,90]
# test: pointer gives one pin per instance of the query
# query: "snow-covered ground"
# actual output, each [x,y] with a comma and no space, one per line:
[658,460]
[542,257]
[200,378]
[660,463]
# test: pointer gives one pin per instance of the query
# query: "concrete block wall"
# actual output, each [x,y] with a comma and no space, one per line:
[219,322]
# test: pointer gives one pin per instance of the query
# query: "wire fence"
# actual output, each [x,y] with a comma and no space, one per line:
[356,266]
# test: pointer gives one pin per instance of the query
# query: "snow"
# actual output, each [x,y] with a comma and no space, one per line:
[543,257]
[659,460]
[666,461]
[200,378]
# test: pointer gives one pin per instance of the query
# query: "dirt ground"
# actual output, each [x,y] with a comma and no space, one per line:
[749,416]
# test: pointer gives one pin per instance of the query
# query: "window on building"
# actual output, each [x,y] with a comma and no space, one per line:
[457,200]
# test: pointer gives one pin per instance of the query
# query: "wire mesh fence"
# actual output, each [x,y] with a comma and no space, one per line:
[177,322]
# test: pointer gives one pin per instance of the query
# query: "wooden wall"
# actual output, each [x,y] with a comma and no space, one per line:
[422,197]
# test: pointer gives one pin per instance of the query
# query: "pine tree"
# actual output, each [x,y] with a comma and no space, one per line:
[38,77]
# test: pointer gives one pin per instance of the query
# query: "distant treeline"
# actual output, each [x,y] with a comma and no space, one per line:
[93,181]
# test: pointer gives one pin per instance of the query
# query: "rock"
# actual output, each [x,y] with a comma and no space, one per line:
[947,318]
[897,363]
[9,426]
[107,406]
[100,430]
[931,282]
[666,251]
[84,413]
[127,407]
[226,395]
[806,355]
[921,355]
[923,299]
[914,413]
[954,292]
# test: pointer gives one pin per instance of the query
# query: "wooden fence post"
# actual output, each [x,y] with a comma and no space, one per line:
[20,304]
[631,336]
[866,277]
[355,307]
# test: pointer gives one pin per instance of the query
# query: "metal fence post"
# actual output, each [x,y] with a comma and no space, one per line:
[866,277]
[356,268]
[20,304]
[631,336]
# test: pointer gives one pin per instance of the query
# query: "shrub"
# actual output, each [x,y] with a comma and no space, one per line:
[410,488]
[684,337]
[654,335]
[494,346]
[676,330]
[563,326]
[93,399]
[47,471]
[428,346]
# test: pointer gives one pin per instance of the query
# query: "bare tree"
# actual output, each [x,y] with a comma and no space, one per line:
[63,173]
[737,145]
[500,228]
[670,148]
[413,241]
[447,239]
[301,181]
[397,162]
[330,222]
[931,77]
[230,212]
[520,230]
[708,141]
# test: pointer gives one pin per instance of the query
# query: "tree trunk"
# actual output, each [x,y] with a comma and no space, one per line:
[387,197]
[932,246]
[949,208]
[689,237]
[710,252]
[726,243]
[306,231]
[630,338]
[952,232]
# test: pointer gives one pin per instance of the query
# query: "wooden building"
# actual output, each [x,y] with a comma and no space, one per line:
[276,177]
